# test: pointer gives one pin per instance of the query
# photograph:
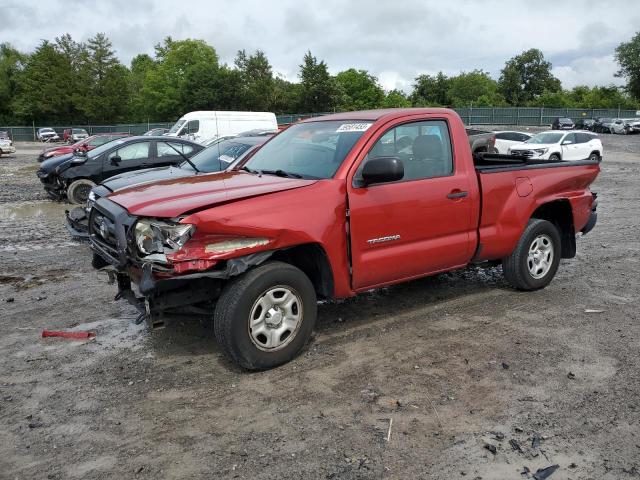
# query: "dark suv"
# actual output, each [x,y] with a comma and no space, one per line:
[562,123]
[74,175]
[585,124]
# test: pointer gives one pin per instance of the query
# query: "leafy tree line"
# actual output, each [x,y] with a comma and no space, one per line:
[64,81]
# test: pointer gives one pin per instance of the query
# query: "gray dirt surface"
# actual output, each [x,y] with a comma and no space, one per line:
[459,361]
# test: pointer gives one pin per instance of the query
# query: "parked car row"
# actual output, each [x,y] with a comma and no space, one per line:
[621,126]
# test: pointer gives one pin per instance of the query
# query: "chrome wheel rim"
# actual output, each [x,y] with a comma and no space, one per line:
[275,318]
[540,256]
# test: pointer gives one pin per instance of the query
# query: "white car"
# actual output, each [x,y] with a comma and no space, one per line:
[47,134]
[555,146]
[6,146]
[507,139]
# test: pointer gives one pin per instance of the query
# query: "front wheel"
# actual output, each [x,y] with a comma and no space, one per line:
[264,317]
[78,191]
[554,157]
[534,262]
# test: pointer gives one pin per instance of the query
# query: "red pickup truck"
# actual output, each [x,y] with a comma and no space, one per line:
[331,207]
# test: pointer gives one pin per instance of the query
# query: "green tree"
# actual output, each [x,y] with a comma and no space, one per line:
[11,63]
[430,90]
[165,93]
[43,92]
[358,90]
[476,88]
[105,95]
[258,85]
[317,87]
[396,99]
[628,57]
[527,76]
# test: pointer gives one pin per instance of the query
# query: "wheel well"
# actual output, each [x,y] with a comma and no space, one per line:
[313,261]
[560,214]
[597,152]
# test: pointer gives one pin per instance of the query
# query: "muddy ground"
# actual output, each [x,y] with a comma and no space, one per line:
[456,363]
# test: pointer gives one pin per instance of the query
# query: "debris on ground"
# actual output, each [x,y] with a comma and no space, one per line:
[535,442]
[80,335]
[505,366]
[591,310]
[491,448]
[515,445]
[571,375]
[543,473]
[9,300]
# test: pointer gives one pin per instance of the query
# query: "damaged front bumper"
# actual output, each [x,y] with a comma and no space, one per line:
[159,291]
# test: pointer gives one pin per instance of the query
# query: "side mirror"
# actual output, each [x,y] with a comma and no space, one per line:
[567,142]
[115,160]
[381,170]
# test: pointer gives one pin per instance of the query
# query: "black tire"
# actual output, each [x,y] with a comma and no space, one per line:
[554,157]
[516,266]
[234,309]
[78,191]
[594,157]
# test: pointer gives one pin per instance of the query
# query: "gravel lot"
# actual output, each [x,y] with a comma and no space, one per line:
[456,362]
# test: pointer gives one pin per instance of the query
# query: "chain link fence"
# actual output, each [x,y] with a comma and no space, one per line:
[525,116]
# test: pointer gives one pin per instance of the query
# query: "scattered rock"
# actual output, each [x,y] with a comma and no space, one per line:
[491,448]
[9,300]
[498,436]
[543,473]
[515,445]
[36,424]
[505,366]
[535,442]
[571,375]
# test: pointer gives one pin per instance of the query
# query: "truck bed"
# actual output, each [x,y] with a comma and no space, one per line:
[491,163]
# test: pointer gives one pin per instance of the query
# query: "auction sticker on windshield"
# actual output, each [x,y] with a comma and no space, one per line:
[353,127]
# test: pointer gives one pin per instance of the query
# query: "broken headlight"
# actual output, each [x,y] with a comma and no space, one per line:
[156,236]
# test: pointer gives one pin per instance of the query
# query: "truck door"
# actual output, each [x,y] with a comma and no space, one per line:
[418,225]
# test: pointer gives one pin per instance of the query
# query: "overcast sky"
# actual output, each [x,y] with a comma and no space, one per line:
[395,40]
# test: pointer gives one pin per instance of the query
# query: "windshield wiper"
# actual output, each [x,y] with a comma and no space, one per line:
[193,165]
[281,173]
[250,170]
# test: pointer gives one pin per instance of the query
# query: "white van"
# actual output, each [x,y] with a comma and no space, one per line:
[203,126]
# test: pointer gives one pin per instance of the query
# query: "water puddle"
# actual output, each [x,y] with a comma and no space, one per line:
[48,210]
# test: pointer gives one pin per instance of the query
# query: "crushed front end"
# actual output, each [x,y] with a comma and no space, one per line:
[148,255]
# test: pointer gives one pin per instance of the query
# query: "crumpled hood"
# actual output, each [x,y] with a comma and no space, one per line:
[174,197]
[50,164]
[147,175]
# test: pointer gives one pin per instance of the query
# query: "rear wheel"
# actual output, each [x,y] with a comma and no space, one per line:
[594,157]
[534,262]
[265,317]
[78,191]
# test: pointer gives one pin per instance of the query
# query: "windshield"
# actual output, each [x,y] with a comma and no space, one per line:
[545,138]
[79,130]
[565,120]
[46,130]
[606,120]
[96,152]
[217,157]
[310,149]
[177,126]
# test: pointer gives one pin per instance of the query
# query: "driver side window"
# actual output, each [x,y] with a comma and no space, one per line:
[423,147]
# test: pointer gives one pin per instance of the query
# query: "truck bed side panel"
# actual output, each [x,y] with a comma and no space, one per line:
[507,209]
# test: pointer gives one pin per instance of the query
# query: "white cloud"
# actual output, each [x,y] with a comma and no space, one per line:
[396,41]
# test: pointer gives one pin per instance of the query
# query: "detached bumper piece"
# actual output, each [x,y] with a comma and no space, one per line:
[593,218]
[77,223]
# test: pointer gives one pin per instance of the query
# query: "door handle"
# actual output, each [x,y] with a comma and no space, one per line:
[455,194]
